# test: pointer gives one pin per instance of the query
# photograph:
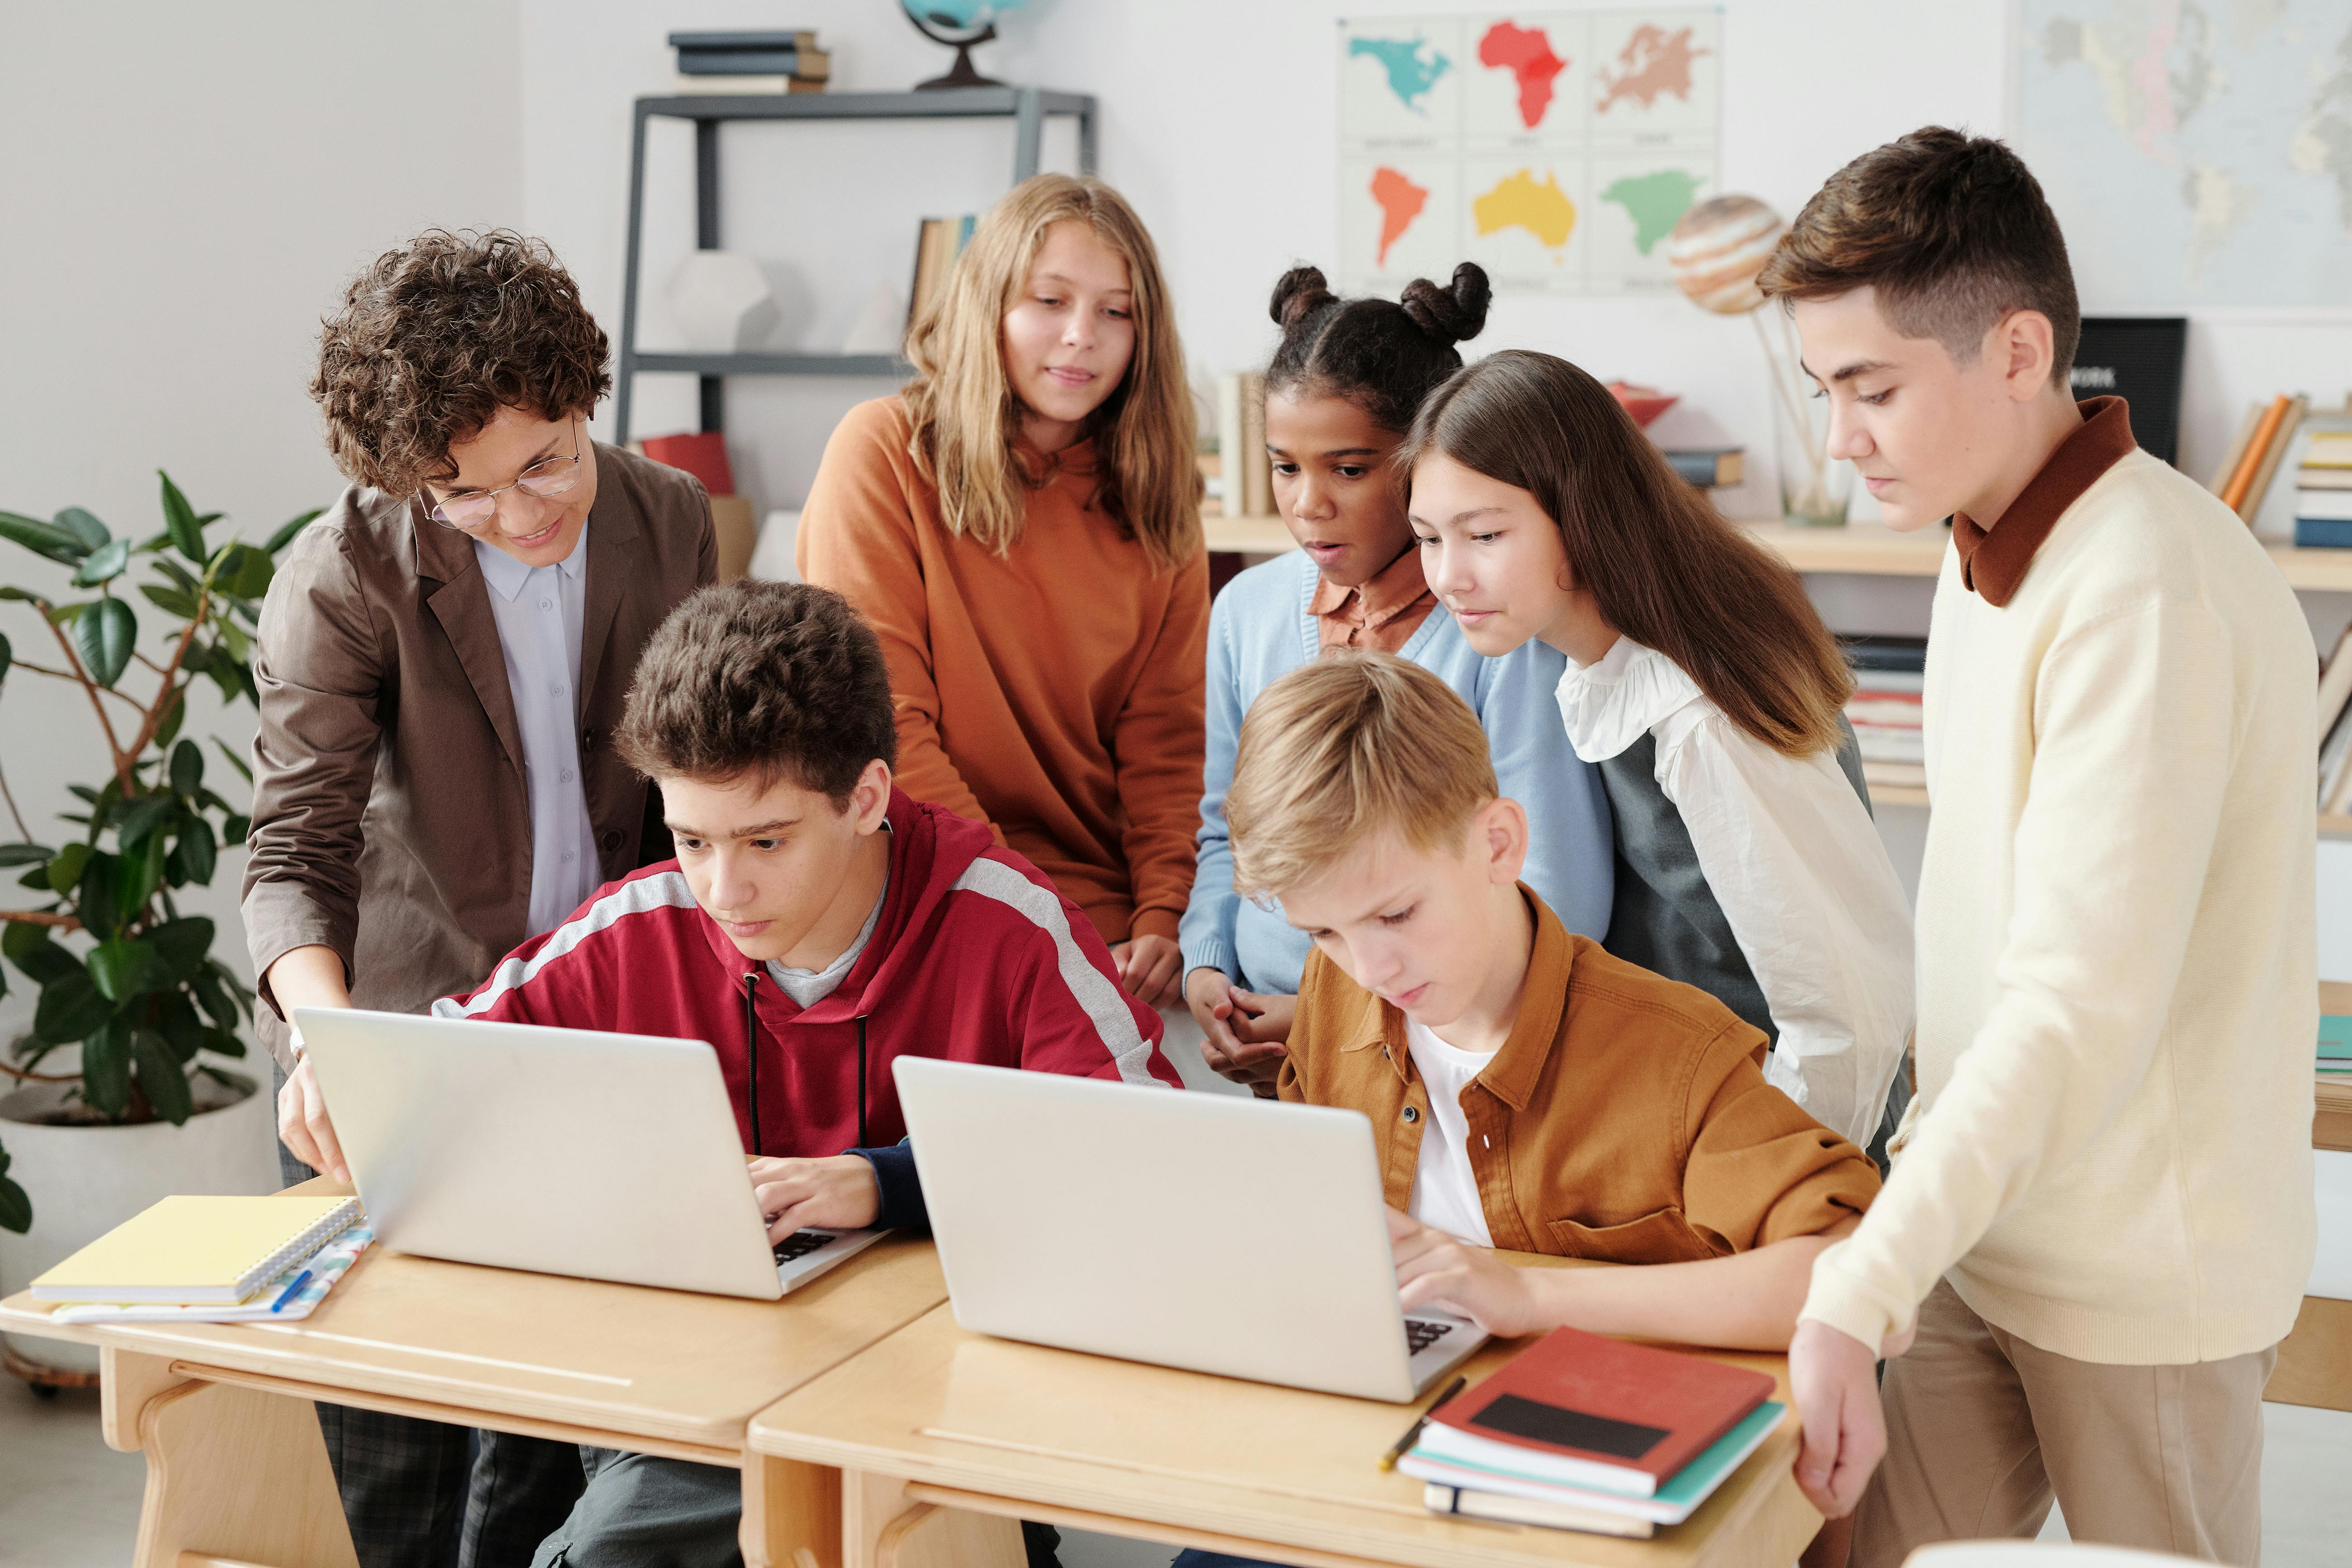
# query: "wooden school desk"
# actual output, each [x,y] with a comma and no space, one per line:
[2315,1364]
[935,1441]
[237,1470]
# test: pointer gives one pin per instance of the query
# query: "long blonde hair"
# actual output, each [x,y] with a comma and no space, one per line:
[966,419]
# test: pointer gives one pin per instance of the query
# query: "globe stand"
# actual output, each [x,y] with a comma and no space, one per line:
[963,74]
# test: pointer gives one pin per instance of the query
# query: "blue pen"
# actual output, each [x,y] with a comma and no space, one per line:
[287,1294]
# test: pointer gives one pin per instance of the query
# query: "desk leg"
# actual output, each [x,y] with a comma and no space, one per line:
[237,1476]
[881,1528]
[792,1514]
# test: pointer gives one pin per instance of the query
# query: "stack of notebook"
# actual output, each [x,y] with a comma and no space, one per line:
[1585,1433]
[2336,1047]
[211,1259]
[1889,675]
[2323,492]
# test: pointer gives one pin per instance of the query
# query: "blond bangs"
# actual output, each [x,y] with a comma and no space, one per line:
[966,421]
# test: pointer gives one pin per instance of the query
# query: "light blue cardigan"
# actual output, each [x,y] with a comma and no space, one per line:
[1260,629]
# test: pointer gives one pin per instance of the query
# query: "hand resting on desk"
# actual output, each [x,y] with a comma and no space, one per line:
[836,1193]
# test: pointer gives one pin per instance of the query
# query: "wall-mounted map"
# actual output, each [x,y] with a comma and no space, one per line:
[2196,153]
[1555,149]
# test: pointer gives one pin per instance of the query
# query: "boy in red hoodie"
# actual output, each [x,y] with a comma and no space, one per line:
[817,925]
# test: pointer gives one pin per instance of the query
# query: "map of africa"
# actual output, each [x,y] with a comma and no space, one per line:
[2196,153]
[1556,150]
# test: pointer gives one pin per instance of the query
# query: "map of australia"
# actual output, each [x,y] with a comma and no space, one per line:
[1522,200]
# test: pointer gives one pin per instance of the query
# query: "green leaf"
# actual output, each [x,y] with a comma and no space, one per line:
[233,638]
[43,962]
[16,1208]
[216,1000]
[143,817]
[183,945]
[253,571]
[163,1076]
[187,768]
[225,674]
[223,1042]
[181,578]
[171,601]
[19,937]
[25,855]
[7,657]
[95,900]
[180,521]
[285,535]
[195,854]
[47,539]
[77,521]
[235,828]
[137,875]
[176,1019]
[174,716]
[104,636]
[106,1067]
[243,769]
[69,1008]
[66,868]
[122,968]
[104,564]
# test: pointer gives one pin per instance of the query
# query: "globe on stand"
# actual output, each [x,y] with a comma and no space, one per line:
[960,25]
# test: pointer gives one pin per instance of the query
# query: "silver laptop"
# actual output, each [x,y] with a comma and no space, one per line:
[559,1151]
[1203,1231]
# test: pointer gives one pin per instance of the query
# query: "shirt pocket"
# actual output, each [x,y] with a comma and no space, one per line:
[1664,1236]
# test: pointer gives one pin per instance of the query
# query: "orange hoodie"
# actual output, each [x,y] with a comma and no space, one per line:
[1055,692]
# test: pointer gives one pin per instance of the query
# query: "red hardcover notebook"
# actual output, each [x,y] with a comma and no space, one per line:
[702,454]
[1603,1402]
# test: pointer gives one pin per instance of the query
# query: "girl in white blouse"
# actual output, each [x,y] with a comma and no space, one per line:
[1704,687]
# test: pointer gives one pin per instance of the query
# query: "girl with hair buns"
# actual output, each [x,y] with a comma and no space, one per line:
[1339,395]
[1701,682]
[1022,527]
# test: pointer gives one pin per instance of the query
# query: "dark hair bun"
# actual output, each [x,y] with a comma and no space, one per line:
[1448,315]
[1301,293]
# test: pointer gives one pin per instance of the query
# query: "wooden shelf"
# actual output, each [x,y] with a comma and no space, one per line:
[1245,535]
[1872,550]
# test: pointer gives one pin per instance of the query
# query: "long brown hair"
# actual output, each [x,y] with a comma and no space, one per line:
[967,421]
[1661,566]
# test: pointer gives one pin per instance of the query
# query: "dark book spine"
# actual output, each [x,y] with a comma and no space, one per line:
[1697,468]
[738,62]
[2322,534]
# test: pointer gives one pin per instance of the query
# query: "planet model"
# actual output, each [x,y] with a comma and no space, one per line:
[1718,248]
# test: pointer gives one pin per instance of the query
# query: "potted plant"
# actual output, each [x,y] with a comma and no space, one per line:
[120,971]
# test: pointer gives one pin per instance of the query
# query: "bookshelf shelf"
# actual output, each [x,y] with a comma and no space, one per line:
[1870,549]
[889,365]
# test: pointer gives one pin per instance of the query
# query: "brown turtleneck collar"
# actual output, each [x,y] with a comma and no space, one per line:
[1993,560]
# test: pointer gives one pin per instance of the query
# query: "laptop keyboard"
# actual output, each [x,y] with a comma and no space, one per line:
[800,1243]
[1420,1334]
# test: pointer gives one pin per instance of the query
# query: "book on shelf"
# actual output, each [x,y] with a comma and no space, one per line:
[1708,467]
[2254,457]
[740,86]
[724,42]
[1895,775]
[2335,1044]
[939,241]
[2334,728]
[751,62]
[1878,654]
[809,64]
[1246,475]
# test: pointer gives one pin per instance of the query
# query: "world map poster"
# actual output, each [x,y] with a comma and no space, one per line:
[1555,149]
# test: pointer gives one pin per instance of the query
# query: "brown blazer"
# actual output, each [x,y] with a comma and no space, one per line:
[391,820]
[1626,1117]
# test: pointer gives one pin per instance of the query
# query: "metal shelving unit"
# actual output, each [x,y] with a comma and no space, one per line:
[1026,107]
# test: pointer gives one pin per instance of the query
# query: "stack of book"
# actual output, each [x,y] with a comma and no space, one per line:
[1245,474]
[2244,476]
[212,1260]
[1889,676]
[751,62]
[1709,467]
[2323,492]
[2335,1048]
[1585,1433]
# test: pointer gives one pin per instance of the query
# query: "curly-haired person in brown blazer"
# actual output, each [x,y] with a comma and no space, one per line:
[441,662]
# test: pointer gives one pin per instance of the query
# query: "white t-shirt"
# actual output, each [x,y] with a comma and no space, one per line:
[1445,1187]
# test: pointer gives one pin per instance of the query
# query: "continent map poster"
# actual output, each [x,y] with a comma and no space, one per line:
[1555,149]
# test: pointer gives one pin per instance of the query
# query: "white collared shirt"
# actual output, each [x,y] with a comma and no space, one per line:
[539,611]
[1797,865]
[1444,1184]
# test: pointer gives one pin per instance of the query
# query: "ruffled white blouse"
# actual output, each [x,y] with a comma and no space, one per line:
[1795,862]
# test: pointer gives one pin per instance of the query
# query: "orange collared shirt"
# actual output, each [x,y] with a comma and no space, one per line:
[1379,617]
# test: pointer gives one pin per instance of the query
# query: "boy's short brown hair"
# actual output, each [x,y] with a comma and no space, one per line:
[1953,232]
[1340,749]
[433,338]
[762,681]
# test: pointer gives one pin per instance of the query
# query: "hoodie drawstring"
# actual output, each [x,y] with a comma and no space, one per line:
[752,1053]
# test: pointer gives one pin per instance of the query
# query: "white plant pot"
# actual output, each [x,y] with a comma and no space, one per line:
[85,1181]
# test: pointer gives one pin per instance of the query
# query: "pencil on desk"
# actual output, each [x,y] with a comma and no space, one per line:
[1398,1449]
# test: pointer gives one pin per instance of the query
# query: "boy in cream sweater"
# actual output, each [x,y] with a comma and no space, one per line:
[2100,1222]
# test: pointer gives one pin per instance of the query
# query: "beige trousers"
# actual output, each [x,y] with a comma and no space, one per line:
[1984,1428]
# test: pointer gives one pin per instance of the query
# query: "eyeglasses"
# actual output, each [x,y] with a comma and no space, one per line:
[548,478]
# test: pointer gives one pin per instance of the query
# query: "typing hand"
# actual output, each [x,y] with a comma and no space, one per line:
[1152,969]
[1834,1378]
[836,1193]
[1436,1271]
[1227,1029]
[303,1126]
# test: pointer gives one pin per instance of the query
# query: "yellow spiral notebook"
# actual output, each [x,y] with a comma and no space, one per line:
[199,1250]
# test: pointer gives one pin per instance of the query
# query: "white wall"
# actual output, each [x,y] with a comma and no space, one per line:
[187,189]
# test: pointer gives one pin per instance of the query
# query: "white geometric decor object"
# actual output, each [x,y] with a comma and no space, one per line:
[722,301]
[881,324]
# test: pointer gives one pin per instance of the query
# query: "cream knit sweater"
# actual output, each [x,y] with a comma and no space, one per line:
[2111,1150]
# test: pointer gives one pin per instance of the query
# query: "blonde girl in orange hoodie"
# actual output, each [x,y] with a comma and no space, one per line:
[1022,527]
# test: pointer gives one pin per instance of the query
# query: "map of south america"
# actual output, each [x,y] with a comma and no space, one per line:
[1399,200]
[1527,53]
